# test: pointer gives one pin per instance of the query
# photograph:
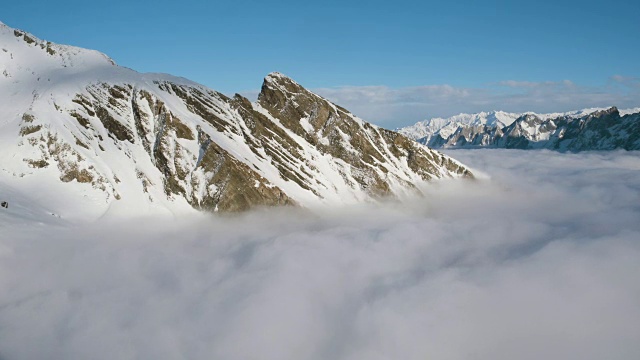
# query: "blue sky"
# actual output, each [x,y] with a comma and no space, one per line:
[431,58]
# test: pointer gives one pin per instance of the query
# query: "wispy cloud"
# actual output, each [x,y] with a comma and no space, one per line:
[541,262]
[536,85]
[630,81]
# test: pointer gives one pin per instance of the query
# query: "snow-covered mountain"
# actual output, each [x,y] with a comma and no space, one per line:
[79,133]
[446,126]
[586,129]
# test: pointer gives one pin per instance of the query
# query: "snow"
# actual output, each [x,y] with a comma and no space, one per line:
[629,111]
[304,122]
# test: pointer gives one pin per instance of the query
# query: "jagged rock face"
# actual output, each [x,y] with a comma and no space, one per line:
[598,130]
[73,116]
[368,150]
[605,130]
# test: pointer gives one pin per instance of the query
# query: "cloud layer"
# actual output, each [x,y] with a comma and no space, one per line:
[540,261]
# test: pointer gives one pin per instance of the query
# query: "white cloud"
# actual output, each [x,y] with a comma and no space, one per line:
[532,84]
[541,261]
[630,81]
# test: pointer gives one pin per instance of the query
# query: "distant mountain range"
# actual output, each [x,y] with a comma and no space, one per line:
[587,129]
[77,128]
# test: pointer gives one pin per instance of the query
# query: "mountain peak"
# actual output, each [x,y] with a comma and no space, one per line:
[279,83]
[29,51]
[609,111]
[291,102]
[277,75]
[281,79]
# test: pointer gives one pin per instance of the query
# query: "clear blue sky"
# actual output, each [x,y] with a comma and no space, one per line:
[231,45]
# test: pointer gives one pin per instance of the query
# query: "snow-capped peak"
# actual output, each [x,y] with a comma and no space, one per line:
[586,129]
[85,129]
[445,127]
[277,75]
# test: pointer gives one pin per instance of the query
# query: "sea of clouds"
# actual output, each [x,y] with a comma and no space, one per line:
[540,261]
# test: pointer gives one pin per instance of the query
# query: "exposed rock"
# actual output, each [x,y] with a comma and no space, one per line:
[370,151]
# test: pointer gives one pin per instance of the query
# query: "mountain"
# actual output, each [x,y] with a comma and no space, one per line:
[428,128]
[79,132]
[587,129]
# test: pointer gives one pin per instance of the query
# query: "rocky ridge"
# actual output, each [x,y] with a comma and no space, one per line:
[72,118]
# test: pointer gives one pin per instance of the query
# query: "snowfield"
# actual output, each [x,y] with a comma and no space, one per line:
[537,259]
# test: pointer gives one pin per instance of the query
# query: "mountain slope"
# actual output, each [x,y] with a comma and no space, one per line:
[588,129]
[91,132]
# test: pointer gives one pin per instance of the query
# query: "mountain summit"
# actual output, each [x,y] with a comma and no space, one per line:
[75,128]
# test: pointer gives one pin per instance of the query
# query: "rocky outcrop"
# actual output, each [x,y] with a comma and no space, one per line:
[371,152]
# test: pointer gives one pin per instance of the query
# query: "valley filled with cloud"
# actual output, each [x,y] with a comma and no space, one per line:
[536,259]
